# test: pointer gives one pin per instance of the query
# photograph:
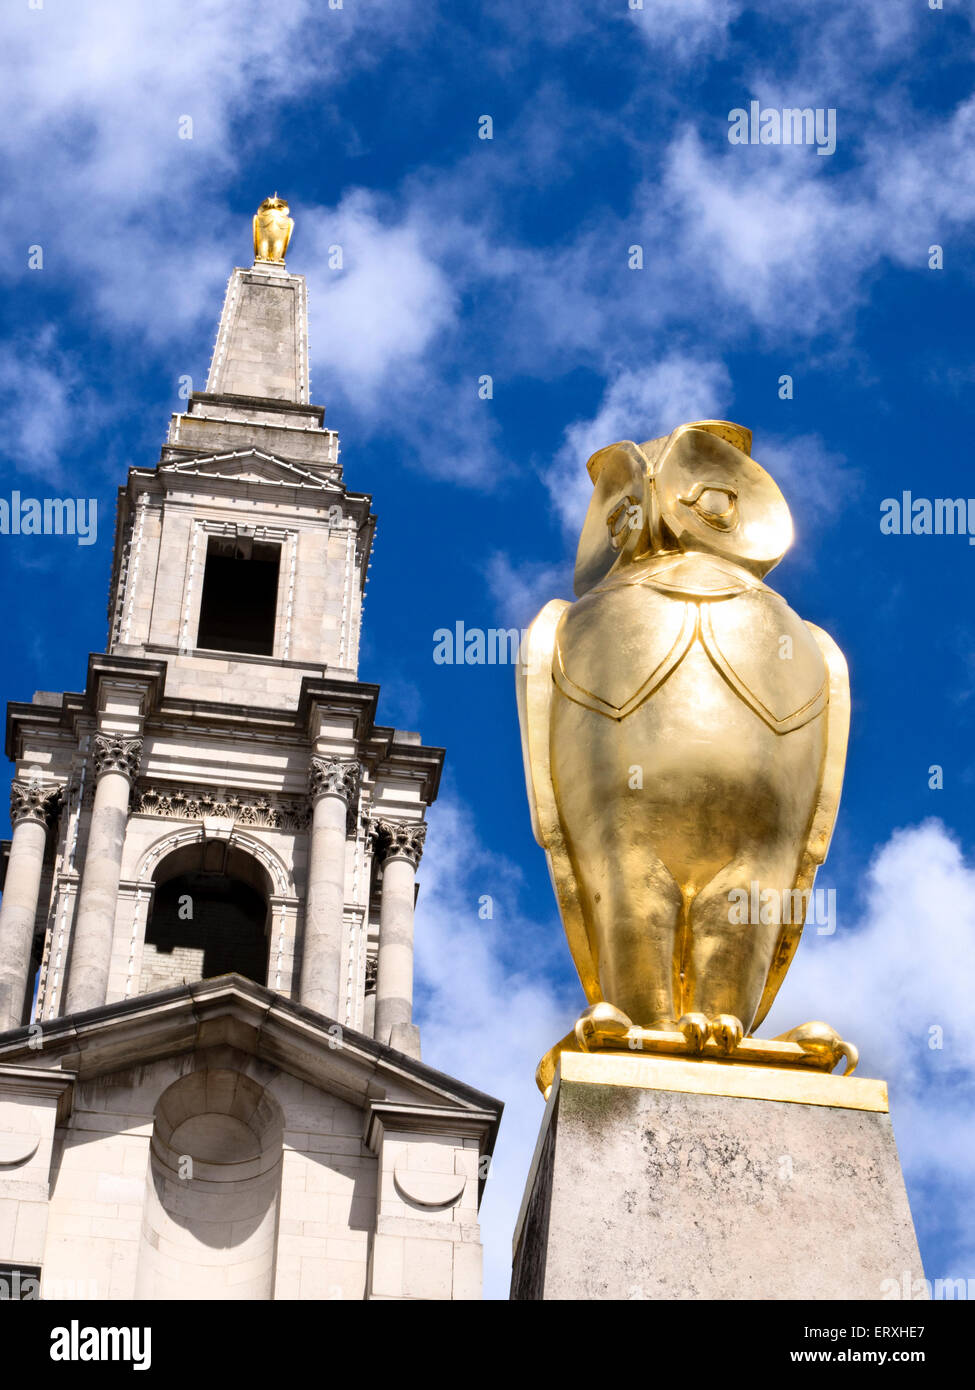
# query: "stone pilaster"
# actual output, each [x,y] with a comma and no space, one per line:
[399,845]
[427,1242]
[334,791]
[115,757]
[32,804]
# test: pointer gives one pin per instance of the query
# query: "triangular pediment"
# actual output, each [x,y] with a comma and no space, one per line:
[250,466]
[230,1010]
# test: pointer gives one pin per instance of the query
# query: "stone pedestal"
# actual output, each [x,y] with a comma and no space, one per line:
[659,1178]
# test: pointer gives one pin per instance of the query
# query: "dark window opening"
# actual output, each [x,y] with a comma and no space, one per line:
[240,595]
[208,924]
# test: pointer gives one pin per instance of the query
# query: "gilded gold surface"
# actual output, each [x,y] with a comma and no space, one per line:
[725,1079]
[272,230]
[684,736]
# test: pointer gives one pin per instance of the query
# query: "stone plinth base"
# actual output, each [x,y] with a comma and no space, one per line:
[655,1178]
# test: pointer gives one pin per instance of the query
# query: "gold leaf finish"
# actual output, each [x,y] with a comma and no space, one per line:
[684,737]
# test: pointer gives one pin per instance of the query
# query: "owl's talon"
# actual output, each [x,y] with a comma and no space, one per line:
[695,1028]
[726,1032]
[819,1040]
[600,1021]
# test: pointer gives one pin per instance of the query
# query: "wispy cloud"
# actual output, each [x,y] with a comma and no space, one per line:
[683,29]
[47,406]
[899,982]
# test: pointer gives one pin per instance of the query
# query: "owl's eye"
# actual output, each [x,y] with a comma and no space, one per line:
[715,504]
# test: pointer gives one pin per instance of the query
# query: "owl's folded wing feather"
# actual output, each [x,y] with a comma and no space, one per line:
[824,812]
[536,690]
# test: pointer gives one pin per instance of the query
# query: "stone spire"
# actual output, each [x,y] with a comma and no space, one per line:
[262,343]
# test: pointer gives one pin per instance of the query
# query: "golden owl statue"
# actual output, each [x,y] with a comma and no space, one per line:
[684,735]
[272,230]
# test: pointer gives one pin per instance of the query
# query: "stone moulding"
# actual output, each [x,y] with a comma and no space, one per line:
[195,803]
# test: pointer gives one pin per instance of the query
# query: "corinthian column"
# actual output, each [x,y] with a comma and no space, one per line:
[31,806]
[334,787]
[399,845]
[116,759]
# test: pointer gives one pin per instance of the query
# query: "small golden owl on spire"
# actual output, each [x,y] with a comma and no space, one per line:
[272,230]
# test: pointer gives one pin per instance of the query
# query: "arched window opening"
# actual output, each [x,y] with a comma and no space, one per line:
[210,916]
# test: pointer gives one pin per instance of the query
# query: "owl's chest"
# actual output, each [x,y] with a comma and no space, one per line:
[619,646]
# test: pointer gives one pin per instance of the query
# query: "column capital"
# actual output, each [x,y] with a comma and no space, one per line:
[334,777]
[33,801]
[396,839]
[113,752]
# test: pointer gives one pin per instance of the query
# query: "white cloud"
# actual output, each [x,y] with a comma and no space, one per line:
[773,236]
[44,403]
[684,28]
[376,316]
[907,967]
[95,96]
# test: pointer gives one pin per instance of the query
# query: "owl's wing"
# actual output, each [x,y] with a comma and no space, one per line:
[824,812]
[536,689]
[256,234]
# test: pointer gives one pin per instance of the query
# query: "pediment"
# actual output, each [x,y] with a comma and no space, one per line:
[250,466]
[232,1011]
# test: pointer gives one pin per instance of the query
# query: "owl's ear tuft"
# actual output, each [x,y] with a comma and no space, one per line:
[616,522]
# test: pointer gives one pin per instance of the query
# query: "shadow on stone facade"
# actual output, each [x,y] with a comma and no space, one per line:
[214,1180]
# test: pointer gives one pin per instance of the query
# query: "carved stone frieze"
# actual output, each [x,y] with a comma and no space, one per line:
[194,803]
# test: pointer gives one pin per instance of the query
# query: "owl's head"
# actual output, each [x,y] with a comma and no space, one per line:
[697,489]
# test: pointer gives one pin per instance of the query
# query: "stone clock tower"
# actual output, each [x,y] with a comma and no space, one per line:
[210,1082]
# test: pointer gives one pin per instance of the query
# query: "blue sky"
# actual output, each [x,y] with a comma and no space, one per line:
[509,257]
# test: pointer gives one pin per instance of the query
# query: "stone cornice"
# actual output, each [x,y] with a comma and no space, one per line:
[268,403]
[394,1117]
[134,670]
[346,699]
[386,754]
[137,1031]
[24,716]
